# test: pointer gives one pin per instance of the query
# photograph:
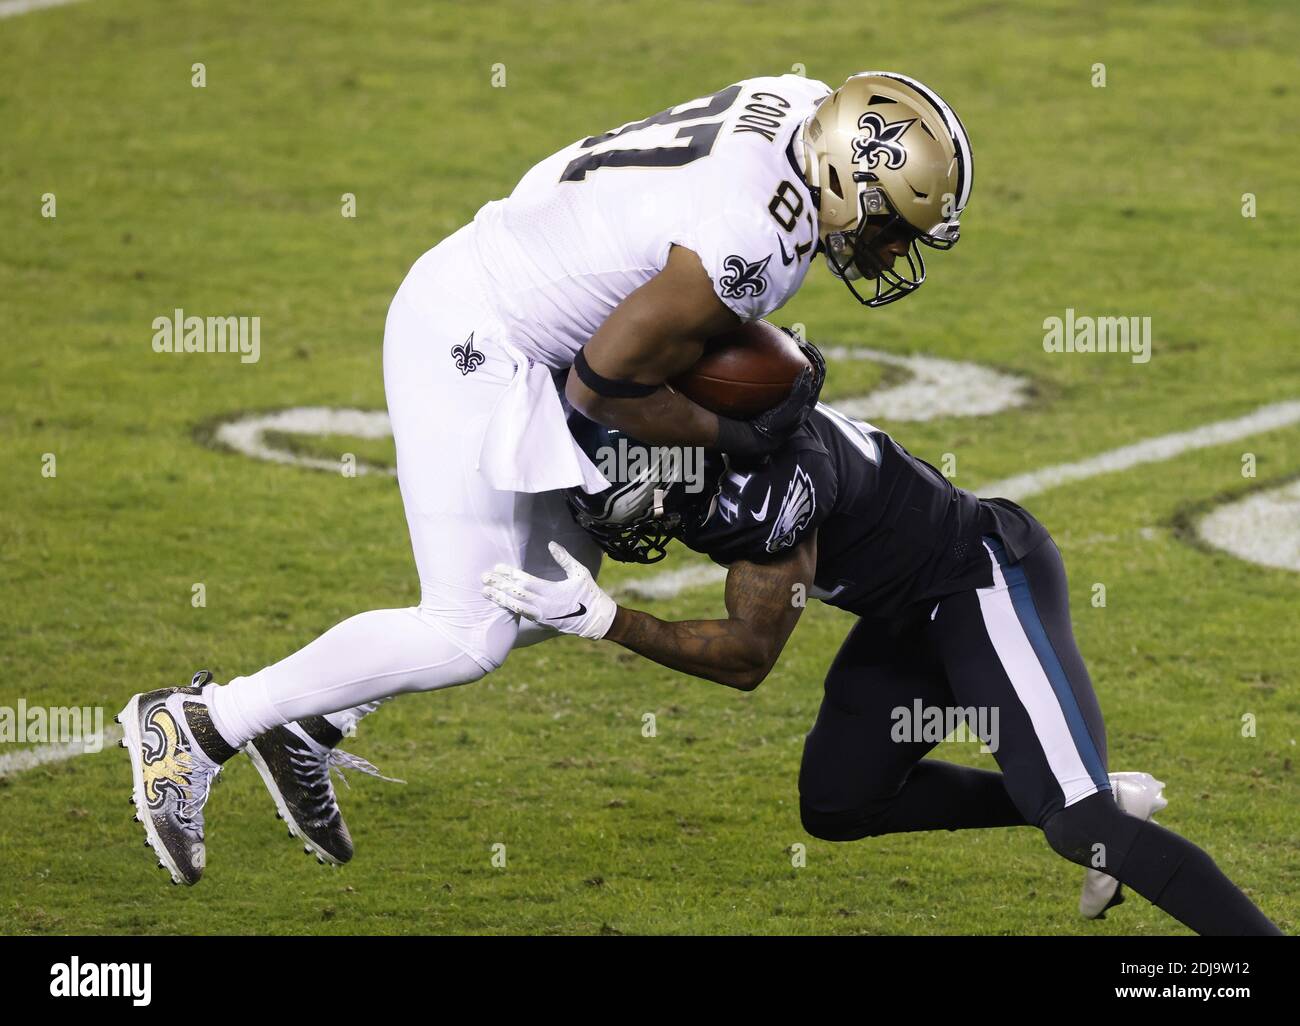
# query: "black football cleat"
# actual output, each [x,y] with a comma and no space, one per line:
[295,762]
[176,753]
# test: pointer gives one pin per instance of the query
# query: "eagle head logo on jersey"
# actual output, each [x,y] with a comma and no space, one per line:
[880,140]
[743,278]
[796,512]
[467,357]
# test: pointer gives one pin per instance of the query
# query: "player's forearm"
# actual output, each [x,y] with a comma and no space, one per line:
[729,652]
[662,418]
[657,333]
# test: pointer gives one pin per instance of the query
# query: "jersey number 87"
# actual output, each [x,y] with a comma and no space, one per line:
[701,136]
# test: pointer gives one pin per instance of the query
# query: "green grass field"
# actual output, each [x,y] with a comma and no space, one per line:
[1123,200]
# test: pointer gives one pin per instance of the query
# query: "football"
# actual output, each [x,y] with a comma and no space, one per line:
[743,372]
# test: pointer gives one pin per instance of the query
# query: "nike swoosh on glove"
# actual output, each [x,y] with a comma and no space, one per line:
[575,605]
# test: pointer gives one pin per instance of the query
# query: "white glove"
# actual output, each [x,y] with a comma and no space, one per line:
[575,605]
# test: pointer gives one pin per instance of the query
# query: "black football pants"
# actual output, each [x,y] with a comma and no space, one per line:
[1004,659]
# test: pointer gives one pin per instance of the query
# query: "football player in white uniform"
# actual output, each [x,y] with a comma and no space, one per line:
[600,278]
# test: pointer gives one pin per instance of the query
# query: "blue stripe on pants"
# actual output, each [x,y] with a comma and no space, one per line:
[1022,601]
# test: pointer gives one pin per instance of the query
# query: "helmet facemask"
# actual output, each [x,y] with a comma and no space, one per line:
[644,540]
[634,521]
[855,255]
[654,493]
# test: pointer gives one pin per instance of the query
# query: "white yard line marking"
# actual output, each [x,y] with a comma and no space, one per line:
[1262,528]
[30,758]
[936,388]
[248,434]
[13,8]
[673,582]
[1151,450]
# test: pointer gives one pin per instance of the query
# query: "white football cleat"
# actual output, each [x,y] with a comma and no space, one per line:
[1136,794]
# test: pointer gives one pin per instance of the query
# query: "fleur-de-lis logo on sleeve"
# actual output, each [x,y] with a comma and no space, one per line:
[468,359]
[744,277]
[879,140]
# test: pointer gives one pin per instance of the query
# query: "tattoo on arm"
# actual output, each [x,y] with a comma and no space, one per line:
[738,651]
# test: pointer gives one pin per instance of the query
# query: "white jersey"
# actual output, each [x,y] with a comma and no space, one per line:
[595,221]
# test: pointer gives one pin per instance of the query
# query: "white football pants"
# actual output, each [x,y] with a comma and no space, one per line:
[441,400]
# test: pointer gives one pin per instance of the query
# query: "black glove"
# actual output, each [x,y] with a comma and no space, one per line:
[763,435]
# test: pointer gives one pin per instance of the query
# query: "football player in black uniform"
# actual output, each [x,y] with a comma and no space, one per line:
[962,606]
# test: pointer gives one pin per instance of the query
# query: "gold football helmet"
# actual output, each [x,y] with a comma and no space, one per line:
[889,164]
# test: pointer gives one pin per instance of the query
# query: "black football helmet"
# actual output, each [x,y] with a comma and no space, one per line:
[646,504]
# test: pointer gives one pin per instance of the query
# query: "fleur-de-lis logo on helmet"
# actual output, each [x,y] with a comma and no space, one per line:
[879,140]
[743,278]
[467,358]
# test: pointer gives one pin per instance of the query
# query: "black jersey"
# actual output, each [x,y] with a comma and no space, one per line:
[893,534]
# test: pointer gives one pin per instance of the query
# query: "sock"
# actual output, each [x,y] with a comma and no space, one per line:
[365,658]
[1168,870]
[1177,876]
[347,720]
